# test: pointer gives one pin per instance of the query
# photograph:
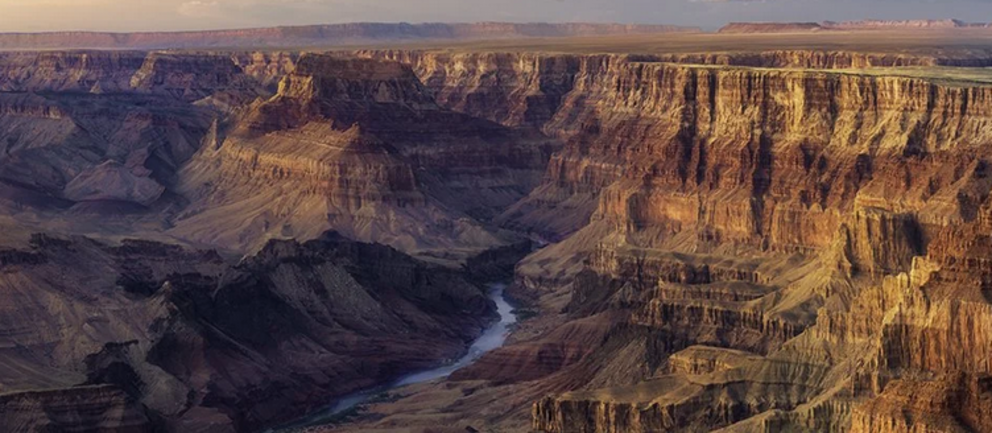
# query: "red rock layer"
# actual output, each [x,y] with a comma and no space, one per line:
[756,210]
[826,187]
[362,147]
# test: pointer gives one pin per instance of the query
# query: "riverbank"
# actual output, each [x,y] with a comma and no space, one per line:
[348,406]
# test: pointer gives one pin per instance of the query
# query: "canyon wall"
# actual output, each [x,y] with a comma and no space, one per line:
[528,88]
[179,339]
[746,241]
[825,182]
[362,147]
[110,127]
[612,110]
[759,248]
[275,144]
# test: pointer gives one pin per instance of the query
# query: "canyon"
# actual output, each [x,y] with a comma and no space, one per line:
[785,239]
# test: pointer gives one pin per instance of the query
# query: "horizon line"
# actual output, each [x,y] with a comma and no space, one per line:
[699,28]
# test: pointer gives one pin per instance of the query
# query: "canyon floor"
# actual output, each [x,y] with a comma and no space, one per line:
[704,232]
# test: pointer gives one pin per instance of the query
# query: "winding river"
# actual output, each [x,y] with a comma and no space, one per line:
[492,338]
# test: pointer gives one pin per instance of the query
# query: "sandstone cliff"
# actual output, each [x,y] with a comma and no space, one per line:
[106,127]
[671,125]
[80,408]
[742,248]
[362,147]
[744,241]
[200,344]
[85,147]
[826,182]
[99,132]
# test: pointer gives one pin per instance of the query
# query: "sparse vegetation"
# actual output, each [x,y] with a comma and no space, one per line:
[524,314]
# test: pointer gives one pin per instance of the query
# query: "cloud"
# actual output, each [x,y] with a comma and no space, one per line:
[200,9]
[254,10]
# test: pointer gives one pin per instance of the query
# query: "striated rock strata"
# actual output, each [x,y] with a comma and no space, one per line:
[757,210]
[747,249]
[741,241]
[161,336]
[362,147]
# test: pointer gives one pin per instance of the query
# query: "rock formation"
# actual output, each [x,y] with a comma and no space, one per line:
[899,24]
[85,147]
[861,25]
[770,27]
[108,127]
[741,248]
[362,147]
[720,164]
[784,240]
[200,344]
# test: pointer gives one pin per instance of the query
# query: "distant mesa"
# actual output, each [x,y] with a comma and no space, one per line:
[909,24]
[773,27]
[323,35]
[770,27]
[350,34]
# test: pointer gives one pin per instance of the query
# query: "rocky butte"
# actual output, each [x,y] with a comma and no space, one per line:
[777,235]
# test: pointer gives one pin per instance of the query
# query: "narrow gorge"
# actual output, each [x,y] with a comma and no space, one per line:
[228,240]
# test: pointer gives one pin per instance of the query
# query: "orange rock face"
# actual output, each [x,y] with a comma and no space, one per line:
[788,240]
[762,249]
[829,185]
[361,146]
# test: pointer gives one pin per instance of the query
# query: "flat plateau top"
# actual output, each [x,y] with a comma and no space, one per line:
[954,44]
[917,42]
[946,76]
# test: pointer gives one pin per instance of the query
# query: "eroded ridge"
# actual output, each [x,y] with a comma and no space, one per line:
[788,239]
[748,248]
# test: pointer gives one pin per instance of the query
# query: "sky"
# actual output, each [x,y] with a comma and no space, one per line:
[157,15]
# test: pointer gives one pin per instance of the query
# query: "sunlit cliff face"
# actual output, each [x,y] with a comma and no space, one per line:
[769,239]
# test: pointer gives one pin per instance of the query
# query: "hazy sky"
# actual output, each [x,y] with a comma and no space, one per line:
[137,15]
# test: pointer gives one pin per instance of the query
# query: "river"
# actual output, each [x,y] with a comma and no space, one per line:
[492,338]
